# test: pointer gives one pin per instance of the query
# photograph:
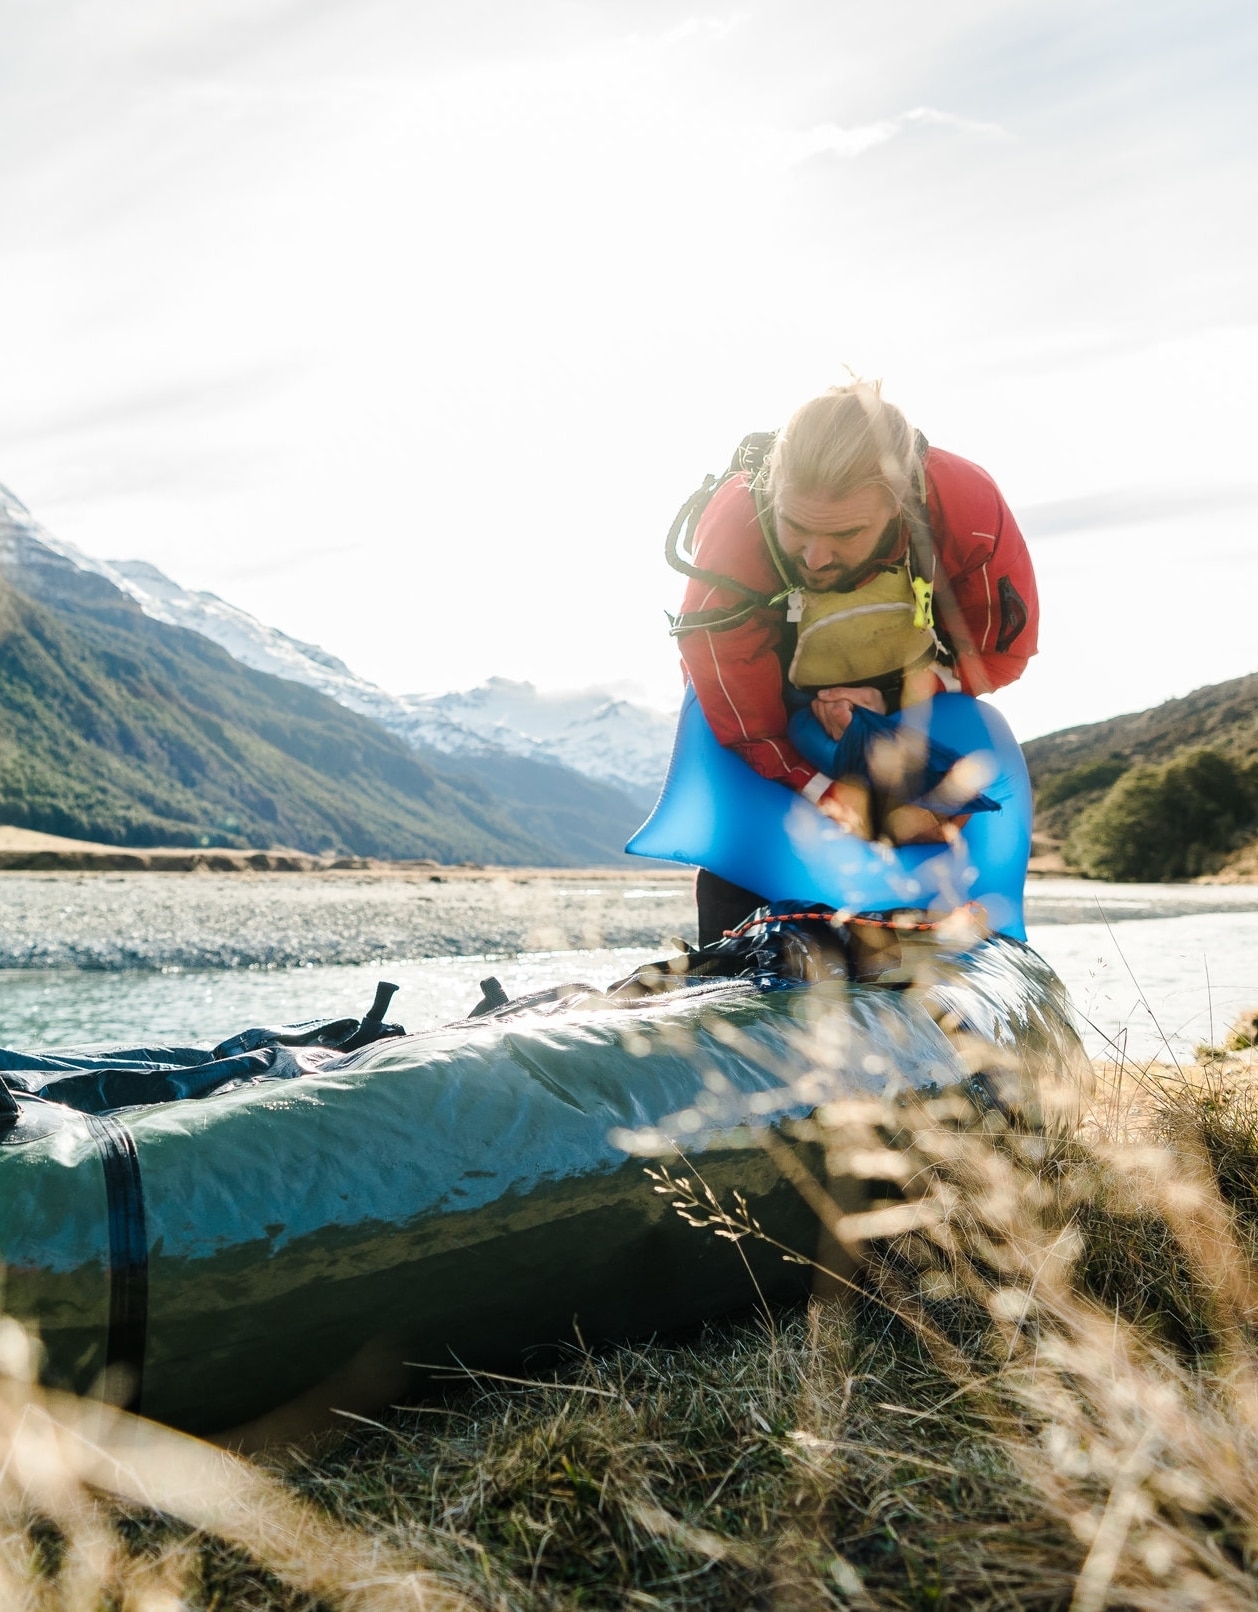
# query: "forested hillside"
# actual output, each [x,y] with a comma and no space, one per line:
[1171,792]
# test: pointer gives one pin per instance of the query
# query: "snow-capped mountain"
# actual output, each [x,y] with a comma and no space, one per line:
[612,741]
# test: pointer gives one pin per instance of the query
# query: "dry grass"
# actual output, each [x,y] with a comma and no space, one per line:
[1044,1394]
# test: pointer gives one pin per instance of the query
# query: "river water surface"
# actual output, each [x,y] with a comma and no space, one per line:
[152,957]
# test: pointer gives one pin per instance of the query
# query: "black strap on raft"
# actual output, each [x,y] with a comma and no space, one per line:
[128,1258]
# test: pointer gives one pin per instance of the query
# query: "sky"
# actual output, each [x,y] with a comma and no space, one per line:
[408,326]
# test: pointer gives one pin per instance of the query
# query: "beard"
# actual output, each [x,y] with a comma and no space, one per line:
[838,578]
[831,578]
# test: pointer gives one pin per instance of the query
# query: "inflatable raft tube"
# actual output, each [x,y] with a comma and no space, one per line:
[244,1260]
[716,812]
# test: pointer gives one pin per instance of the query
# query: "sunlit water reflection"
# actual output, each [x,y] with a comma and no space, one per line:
[52,1007]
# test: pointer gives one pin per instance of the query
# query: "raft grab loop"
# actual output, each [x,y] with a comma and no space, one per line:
[492,996]
[495,1003]
[372,1026]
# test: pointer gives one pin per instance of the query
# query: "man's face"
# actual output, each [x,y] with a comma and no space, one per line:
[829,538]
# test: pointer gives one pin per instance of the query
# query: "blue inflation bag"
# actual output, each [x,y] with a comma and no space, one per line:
[921,767]
[717,812]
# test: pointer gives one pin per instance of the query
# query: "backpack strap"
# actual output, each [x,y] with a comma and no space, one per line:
[930,584]
[749,458]
[769,531]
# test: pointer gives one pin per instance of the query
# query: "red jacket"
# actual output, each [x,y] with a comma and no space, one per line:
[991,619]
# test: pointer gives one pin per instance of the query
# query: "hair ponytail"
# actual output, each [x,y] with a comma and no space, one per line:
[844,440]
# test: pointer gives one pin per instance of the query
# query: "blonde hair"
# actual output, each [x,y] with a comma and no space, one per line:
[848,438]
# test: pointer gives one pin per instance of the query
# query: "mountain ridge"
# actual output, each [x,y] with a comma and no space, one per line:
[1224,714]
[117,727]
[607,740]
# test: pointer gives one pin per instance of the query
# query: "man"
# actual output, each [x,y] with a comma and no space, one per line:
[855,566]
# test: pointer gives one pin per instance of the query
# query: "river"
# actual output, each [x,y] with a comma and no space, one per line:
[1155,969]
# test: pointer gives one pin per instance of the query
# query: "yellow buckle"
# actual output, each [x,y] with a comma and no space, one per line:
[924,592]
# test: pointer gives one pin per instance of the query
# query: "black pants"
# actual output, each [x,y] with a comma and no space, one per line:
[722,905]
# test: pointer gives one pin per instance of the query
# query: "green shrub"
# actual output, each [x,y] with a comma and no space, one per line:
[1098,774]
[1172,821]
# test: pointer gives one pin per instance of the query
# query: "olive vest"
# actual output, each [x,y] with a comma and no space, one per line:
[861,637]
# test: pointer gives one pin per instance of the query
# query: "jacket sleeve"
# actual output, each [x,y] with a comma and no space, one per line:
[737,671]
[990,608]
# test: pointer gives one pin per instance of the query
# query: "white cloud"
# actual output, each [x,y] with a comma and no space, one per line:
[832,140]
[707,30]
[1138,506]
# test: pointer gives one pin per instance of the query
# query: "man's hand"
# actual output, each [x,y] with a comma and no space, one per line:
[833,707]
[847,803]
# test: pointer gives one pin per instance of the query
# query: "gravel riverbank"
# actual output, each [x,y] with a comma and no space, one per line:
[151,920]
[155,921]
